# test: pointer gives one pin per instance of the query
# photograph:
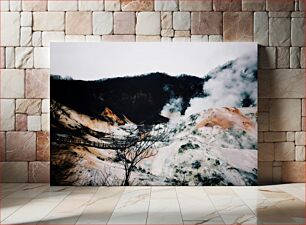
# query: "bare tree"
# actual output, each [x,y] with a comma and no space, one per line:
[142,149]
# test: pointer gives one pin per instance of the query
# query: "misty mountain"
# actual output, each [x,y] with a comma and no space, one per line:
[139,98]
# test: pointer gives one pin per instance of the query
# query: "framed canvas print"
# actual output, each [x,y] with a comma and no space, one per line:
[153,114]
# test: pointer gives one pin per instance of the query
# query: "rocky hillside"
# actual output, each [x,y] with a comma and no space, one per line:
[213,147]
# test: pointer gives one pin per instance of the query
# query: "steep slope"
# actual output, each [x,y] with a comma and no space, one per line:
[110,117]
[219,151]
[227,118]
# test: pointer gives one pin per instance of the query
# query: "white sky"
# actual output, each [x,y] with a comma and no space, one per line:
[92,61]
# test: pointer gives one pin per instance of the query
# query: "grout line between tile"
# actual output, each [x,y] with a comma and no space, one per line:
[116,205]
[179,205]
[149,205]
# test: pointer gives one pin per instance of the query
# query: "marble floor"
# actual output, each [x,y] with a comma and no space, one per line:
[42,204]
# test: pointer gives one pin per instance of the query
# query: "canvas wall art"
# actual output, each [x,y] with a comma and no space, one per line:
[153,114]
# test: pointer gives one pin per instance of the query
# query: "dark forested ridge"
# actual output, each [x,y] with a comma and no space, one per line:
[139,98]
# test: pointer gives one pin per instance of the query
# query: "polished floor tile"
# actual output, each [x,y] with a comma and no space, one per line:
[195,205]
[164,206]
[42,204]
[100,208]
[132,207]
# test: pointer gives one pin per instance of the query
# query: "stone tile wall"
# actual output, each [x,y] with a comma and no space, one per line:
[28,26]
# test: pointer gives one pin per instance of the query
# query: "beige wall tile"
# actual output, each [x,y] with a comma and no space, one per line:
[37,83]
[5,5]
[25,36]
[285,115]
[28,106]
[148,23]
[284,151]
[93,38]
[169,5]
[124,22]
[43,146]
[238,26]
[7,114]
[263,105]
[52,36]
[300,138]
[290,136]
[283,57]
[34,5]
[181,39]
[228,5]
[275,136]
[37,39]
[20,146]
[2,146]
[75,38]
[264,173]
[303,58]
[199,38]
[12,83]
[39,172]
[2,57]
[297,32]
[166,20]
[166,39]
[301,5]
[281,83]
[147,38]
[253,5]
[277,174]
[48,21]
[280,5]
[16,172]
[45,122]
[293,172]
[263,121]
[300,153]
[137,5]
[279,33]
[10,28]
[295,57]
[181,21]
[21,122]
[34,123]
[26,19]
[78,23]
[265,152]
[119,38]
[206,23]
[279,14]
[45,108]
[182,33]
[24,57]
[203,5]
[215,38]
[167,33]
[102,23]
[112,5]
[71,5]
[261,28]
[267,58]
[41,57]
[94,5]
